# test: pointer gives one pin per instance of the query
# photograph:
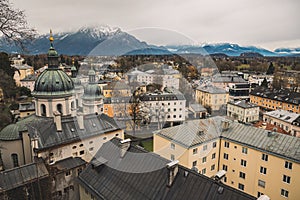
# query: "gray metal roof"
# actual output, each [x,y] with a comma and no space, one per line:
[69,163]
[243,104]
[193,132]
[281,145]
[196,107]
[16,177]
[211,89]
[48,136]
[127,185]
[283,115]
[275,143]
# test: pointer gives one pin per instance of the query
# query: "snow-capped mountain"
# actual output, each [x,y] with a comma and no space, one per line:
[101,40]
[106,40]
[288,51]
[222,48]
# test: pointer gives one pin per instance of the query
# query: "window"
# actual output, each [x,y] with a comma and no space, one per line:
[59,108]
[212,168]
[226,156]
[284,193]
[43,110]
[225,167]
[245,150]
[91,142]
[81,145]
[263,170]
[195,151]
[264,157]
[288,165]
[241,186]
[172,146]
[81,152]
[172,157]
[286,179]
[242,175]
[68,173]
[214,144]
[225,179]
[226,144]
[15,159]
[194,163]
[259,194]
[261,183]
[204,159]
[243,162]
[91,149]
[204,147]
[213,156]
[204,171]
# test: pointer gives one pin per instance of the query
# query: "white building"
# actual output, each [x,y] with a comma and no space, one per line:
[282,118]
[165,106]
[243,111]
[166,76]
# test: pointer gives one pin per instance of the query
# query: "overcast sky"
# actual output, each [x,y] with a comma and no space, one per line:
[264,23]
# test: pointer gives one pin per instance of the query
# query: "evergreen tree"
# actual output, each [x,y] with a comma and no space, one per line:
[271,69]
[264,83]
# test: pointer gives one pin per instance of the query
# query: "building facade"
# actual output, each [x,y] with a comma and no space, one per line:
[276,99]
[211,97]
[256,161]
[243,111]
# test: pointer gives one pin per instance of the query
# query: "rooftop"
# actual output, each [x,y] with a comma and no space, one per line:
[187,135]
[283,115]
[243,104]
[13,178]
[211,89]
[143,175]
[282,95]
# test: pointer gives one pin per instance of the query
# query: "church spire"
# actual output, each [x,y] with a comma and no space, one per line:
[73,69]
[52,54]
[92,74]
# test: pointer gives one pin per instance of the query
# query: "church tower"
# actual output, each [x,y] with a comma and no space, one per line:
[53,90]
[92,99]
[77,84]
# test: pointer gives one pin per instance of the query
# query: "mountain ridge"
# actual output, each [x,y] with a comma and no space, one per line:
[106,40]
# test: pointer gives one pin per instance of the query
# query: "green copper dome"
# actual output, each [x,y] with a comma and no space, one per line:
[92,91]
[52,52]
[53,82]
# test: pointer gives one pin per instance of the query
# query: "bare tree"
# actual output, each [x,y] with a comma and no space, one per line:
[13,25]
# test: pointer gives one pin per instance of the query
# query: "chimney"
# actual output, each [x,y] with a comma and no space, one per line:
[124,146]
[57,120]
[80,121]
[263,197]
[225,125]
[220,174]
[172,172]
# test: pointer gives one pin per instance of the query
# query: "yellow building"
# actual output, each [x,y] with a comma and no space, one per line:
[256,161]
[276,99]
[116,89]
[22,72]
[211,97]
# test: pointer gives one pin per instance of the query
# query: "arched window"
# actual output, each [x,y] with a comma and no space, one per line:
[72,105]
[59,108]
[15,160]
[43,110]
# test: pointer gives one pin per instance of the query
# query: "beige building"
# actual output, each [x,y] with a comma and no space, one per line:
[283,119]
[21,72]
[243,111]
[256,161]
[211,97]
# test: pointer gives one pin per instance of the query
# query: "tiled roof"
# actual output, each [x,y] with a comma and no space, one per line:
[141,175]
